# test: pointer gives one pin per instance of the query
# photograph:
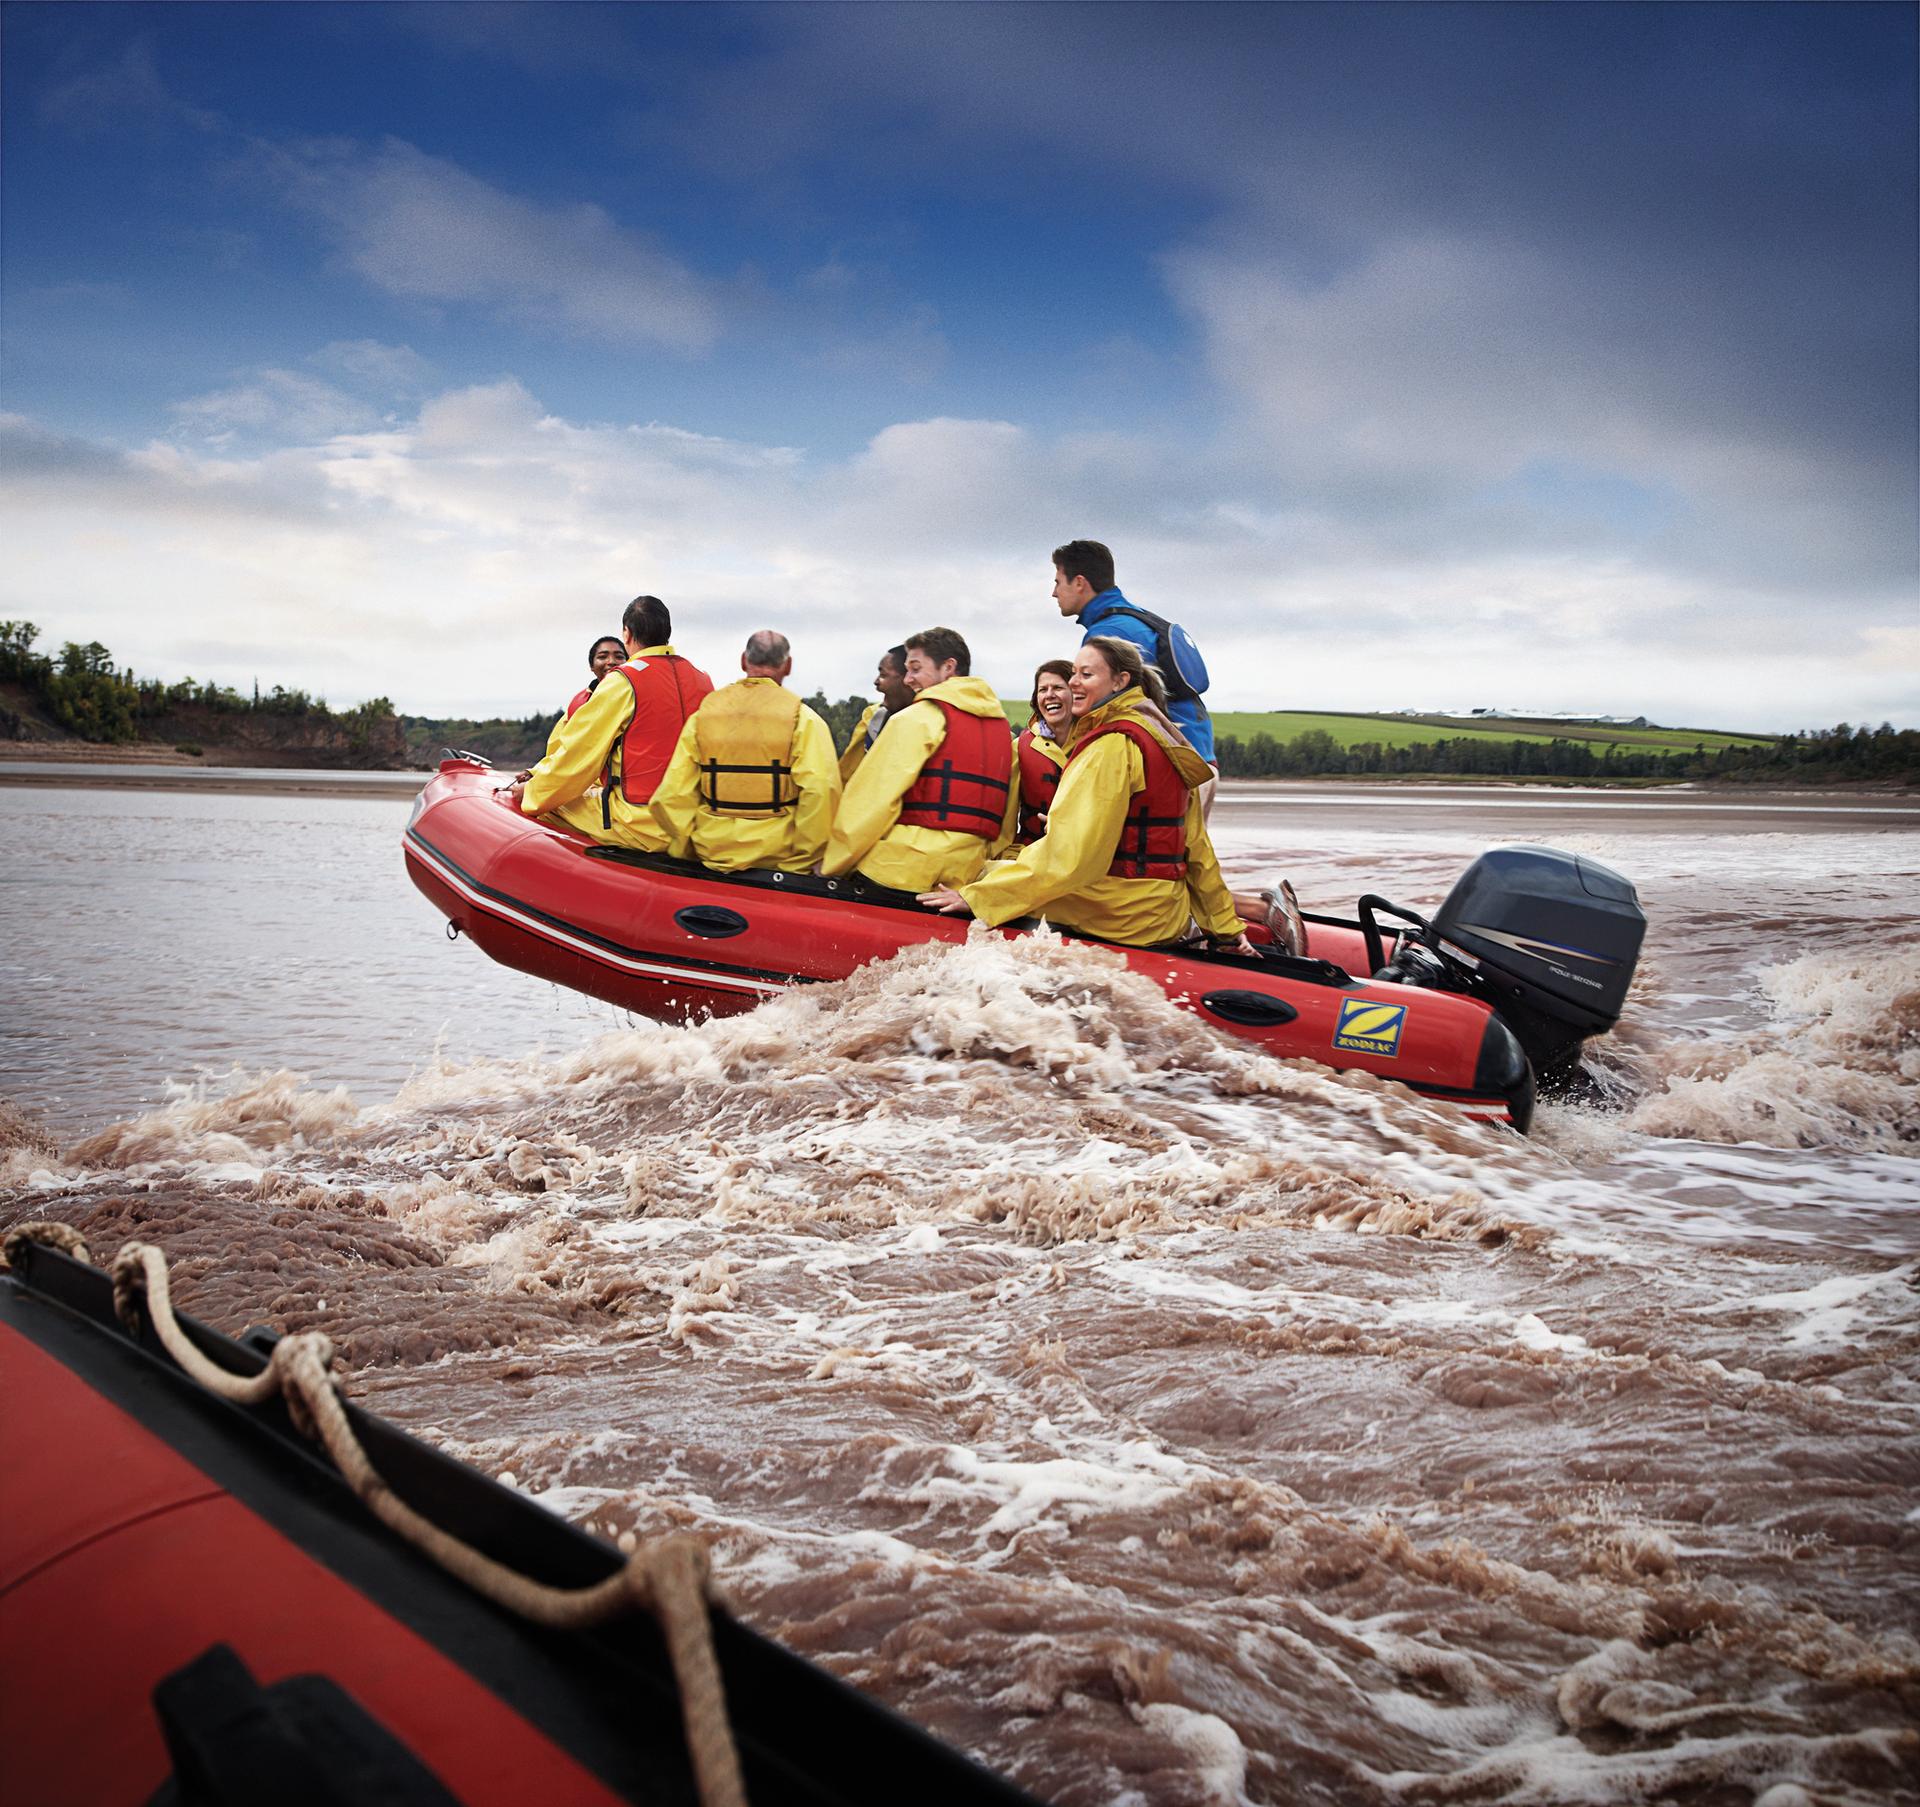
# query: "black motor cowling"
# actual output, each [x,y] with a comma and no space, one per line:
[1551,939]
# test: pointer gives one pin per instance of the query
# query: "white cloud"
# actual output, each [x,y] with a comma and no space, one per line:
[460,561]
[394,369]
[271,403]
[284,402]
[421,227]
[1443,383]
[124,95]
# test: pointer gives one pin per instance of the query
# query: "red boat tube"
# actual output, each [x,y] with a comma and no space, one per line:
[676,941]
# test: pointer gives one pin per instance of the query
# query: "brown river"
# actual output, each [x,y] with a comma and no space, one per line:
[1157,1421]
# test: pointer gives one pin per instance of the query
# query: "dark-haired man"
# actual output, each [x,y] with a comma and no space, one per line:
[935,796]
[752,782]
[891,682]
[1084,588]
[622,735]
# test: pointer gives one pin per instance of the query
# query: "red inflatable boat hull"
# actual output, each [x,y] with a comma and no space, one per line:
[676,943]
[145,1540]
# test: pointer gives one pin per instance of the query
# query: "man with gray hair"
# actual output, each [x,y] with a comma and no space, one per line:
[753,781]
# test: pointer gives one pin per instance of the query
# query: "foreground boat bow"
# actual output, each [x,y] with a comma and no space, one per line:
[150,1522]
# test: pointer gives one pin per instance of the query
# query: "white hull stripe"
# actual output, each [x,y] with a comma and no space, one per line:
[650,969]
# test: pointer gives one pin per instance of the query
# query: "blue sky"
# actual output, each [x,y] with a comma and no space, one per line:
[1414,356]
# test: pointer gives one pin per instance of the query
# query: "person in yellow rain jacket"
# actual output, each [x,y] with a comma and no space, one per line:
[621,737]
[1126,855]
[891,682]
[602,656]
[1041,750]
[752,781]
[935,795]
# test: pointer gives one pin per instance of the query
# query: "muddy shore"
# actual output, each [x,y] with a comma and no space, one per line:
[1308,807]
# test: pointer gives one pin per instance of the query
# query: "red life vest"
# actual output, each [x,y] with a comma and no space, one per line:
[580,698]
[666,690]
[1153,839]
[1039,779]
[963,785]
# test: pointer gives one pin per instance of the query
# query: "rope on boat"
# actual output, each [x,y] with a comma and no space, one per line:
[61,1236]
[668,1577]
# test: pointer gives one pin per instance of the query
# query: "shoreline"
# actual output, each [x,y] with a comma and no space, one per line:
[1430,795]
[152,766]
[204,780]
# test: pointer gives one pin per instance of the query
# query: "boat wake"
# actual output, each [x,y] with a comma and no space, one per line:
[1157,1419]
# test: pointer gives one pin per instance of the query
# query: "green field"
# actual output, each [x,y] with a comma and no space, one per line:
[1410,730]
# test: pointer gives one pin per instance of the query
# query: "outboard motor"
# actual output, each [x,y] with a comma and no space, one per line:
[1549,939]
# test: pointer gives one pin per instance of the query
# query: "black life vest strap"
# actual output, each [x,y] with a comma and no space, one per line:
[773,771]
[950,809]
[1138,856]
[946,807]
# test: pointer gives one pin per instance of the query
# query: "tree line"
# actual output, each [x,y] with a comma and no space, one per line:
[83,690]
[1842,752]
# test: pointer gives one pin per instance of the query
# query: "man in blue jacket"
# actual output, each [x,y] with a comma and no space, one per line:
[1083,586]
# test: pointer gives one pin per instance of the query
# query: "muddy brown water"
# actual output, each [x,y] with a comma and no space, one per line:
[1159,1422]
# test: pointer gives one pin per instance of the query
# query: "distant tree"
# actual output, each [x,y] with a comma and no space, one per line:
[841,717]
[89,696]
[17,658]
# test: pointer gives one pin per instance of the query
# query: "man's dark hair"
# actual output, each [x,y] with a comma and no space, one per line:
[1088,559]
[941,644]
[648,621]
[897,656]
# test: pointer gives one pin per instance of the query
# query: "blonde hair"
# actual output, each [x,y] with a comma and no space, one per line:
[1123,659]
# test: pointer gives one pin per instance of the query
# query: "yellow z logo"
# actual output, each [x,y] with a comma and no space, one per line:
[1369,1028]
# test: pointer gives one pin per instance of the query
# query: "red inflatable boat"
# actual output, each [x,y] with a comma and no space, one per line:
[196,1610]
[675,941]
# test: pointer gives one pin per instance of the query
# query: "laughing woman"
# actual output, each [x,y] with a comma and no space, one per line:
[1041,750]
[1125,856]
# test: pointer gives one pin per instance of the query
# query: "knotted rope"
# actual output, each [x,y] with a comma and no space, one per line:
[668,1577]
[61,1236]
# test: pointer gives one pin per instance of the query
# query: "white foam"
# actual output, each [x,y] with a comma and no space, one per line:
[1833,1312]
[1210,1744]
[1049,1496]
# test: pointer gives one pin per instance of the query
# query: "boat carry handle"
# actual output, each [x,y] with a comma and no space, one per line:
[1376,944]
[1257,1009]
[714,921]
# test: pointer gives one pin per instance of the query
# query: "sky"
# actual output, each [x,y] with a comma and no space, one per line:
[1412,356]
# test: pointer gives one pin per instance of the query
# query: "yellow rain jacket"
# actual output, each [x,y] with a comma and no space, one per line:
[754,722]
[566,783]
[868,834]
[857,746]
[1063,875]
[559,722]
